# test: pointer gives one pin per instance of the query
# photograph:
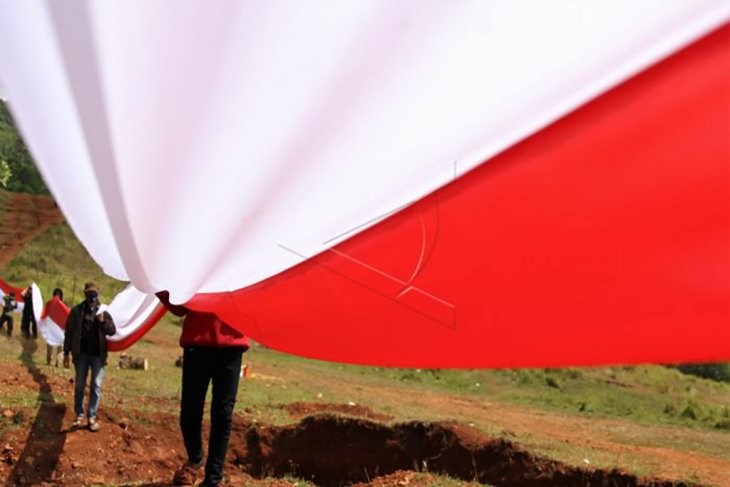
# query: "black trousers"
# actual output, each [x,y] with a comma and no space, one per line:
[222,367]
[9,320]
[25,326]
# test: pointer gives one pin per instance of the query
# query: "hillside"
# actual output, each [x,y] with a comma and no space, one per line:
[23,218]
[563,426]
[36,245]
[57,259]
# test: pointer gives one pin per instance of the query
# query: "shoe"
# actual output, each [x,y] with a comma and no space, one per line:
[78,421]
[187,474]
[94,425]
[205,483]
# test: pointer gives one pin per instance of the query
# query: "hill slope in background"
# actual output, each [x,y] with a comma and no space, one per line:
[23,218]
[36,245]
[648,420]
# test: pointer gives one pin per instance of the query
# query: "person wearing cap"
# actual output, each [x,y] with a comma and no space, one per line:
[85,340]
[212,353]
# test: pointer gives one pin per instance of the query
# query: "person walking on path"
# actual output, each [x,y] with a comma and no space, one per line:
[85,341]
[212,352]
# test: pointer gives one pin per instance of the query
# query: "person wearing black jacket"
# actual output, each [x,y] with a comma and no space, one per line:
[27,321]
[9,305]
[85,341]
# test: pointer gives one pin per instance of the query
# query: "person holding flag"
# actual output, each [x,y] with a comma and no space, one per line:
[212,353]
[52,352]
[85,342]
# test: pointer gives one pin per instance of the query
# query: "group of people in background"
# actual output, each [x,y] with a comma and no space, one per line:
[212,354]
[28,325]
[86,330]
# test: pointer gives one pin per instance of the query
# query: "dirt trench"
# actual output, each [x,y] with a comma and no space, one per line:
[332,450]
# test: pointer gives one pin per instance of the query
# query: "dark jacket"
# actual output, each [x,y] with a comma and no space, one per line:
[74,323]
[9,305]
[28,315]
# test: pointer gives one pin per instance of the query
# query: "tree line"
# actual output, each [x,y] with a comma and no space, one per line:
[18,171]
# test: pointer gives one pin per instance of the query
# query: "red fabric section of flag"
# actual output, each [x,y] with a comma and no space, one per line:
[8,289]
[57,310]
[131,339]
[602,239]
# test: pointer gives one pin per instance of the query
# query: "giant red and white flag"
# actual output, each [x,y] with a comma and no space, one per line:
[444,184]
[134,314]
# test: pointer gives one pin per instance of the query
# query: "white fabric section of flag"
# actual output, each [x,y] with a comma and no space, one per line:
[130,309]
[204,146]
[37,301]
[51,332]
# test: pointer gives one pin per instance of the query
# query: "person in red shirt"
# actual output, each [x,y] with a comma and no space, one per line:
[52,352]
[212,352]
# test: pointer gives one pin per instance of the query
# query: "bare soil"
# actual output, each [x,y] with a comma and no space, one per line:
[38,448]
[302,409]
[24,218]
[328,449]
[584,433]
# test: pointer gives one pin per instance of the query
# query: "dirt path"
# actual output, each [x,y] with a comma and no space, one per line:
[24,218]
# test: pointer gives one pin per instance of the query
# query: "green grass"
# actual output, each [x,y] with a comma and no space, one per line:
[57,259]
[649,394]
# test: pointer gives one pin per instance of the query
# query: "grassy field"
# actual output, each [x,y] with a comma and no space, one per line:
[57,259]
[625,417]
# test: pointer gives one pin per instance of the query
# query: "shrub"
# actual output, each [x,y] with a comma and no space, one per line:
[691,411]
[717,372]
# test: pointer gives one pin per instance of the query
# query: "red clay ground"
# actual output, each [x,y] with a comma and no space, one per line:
[302,409]
[38,448]
[25,217]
